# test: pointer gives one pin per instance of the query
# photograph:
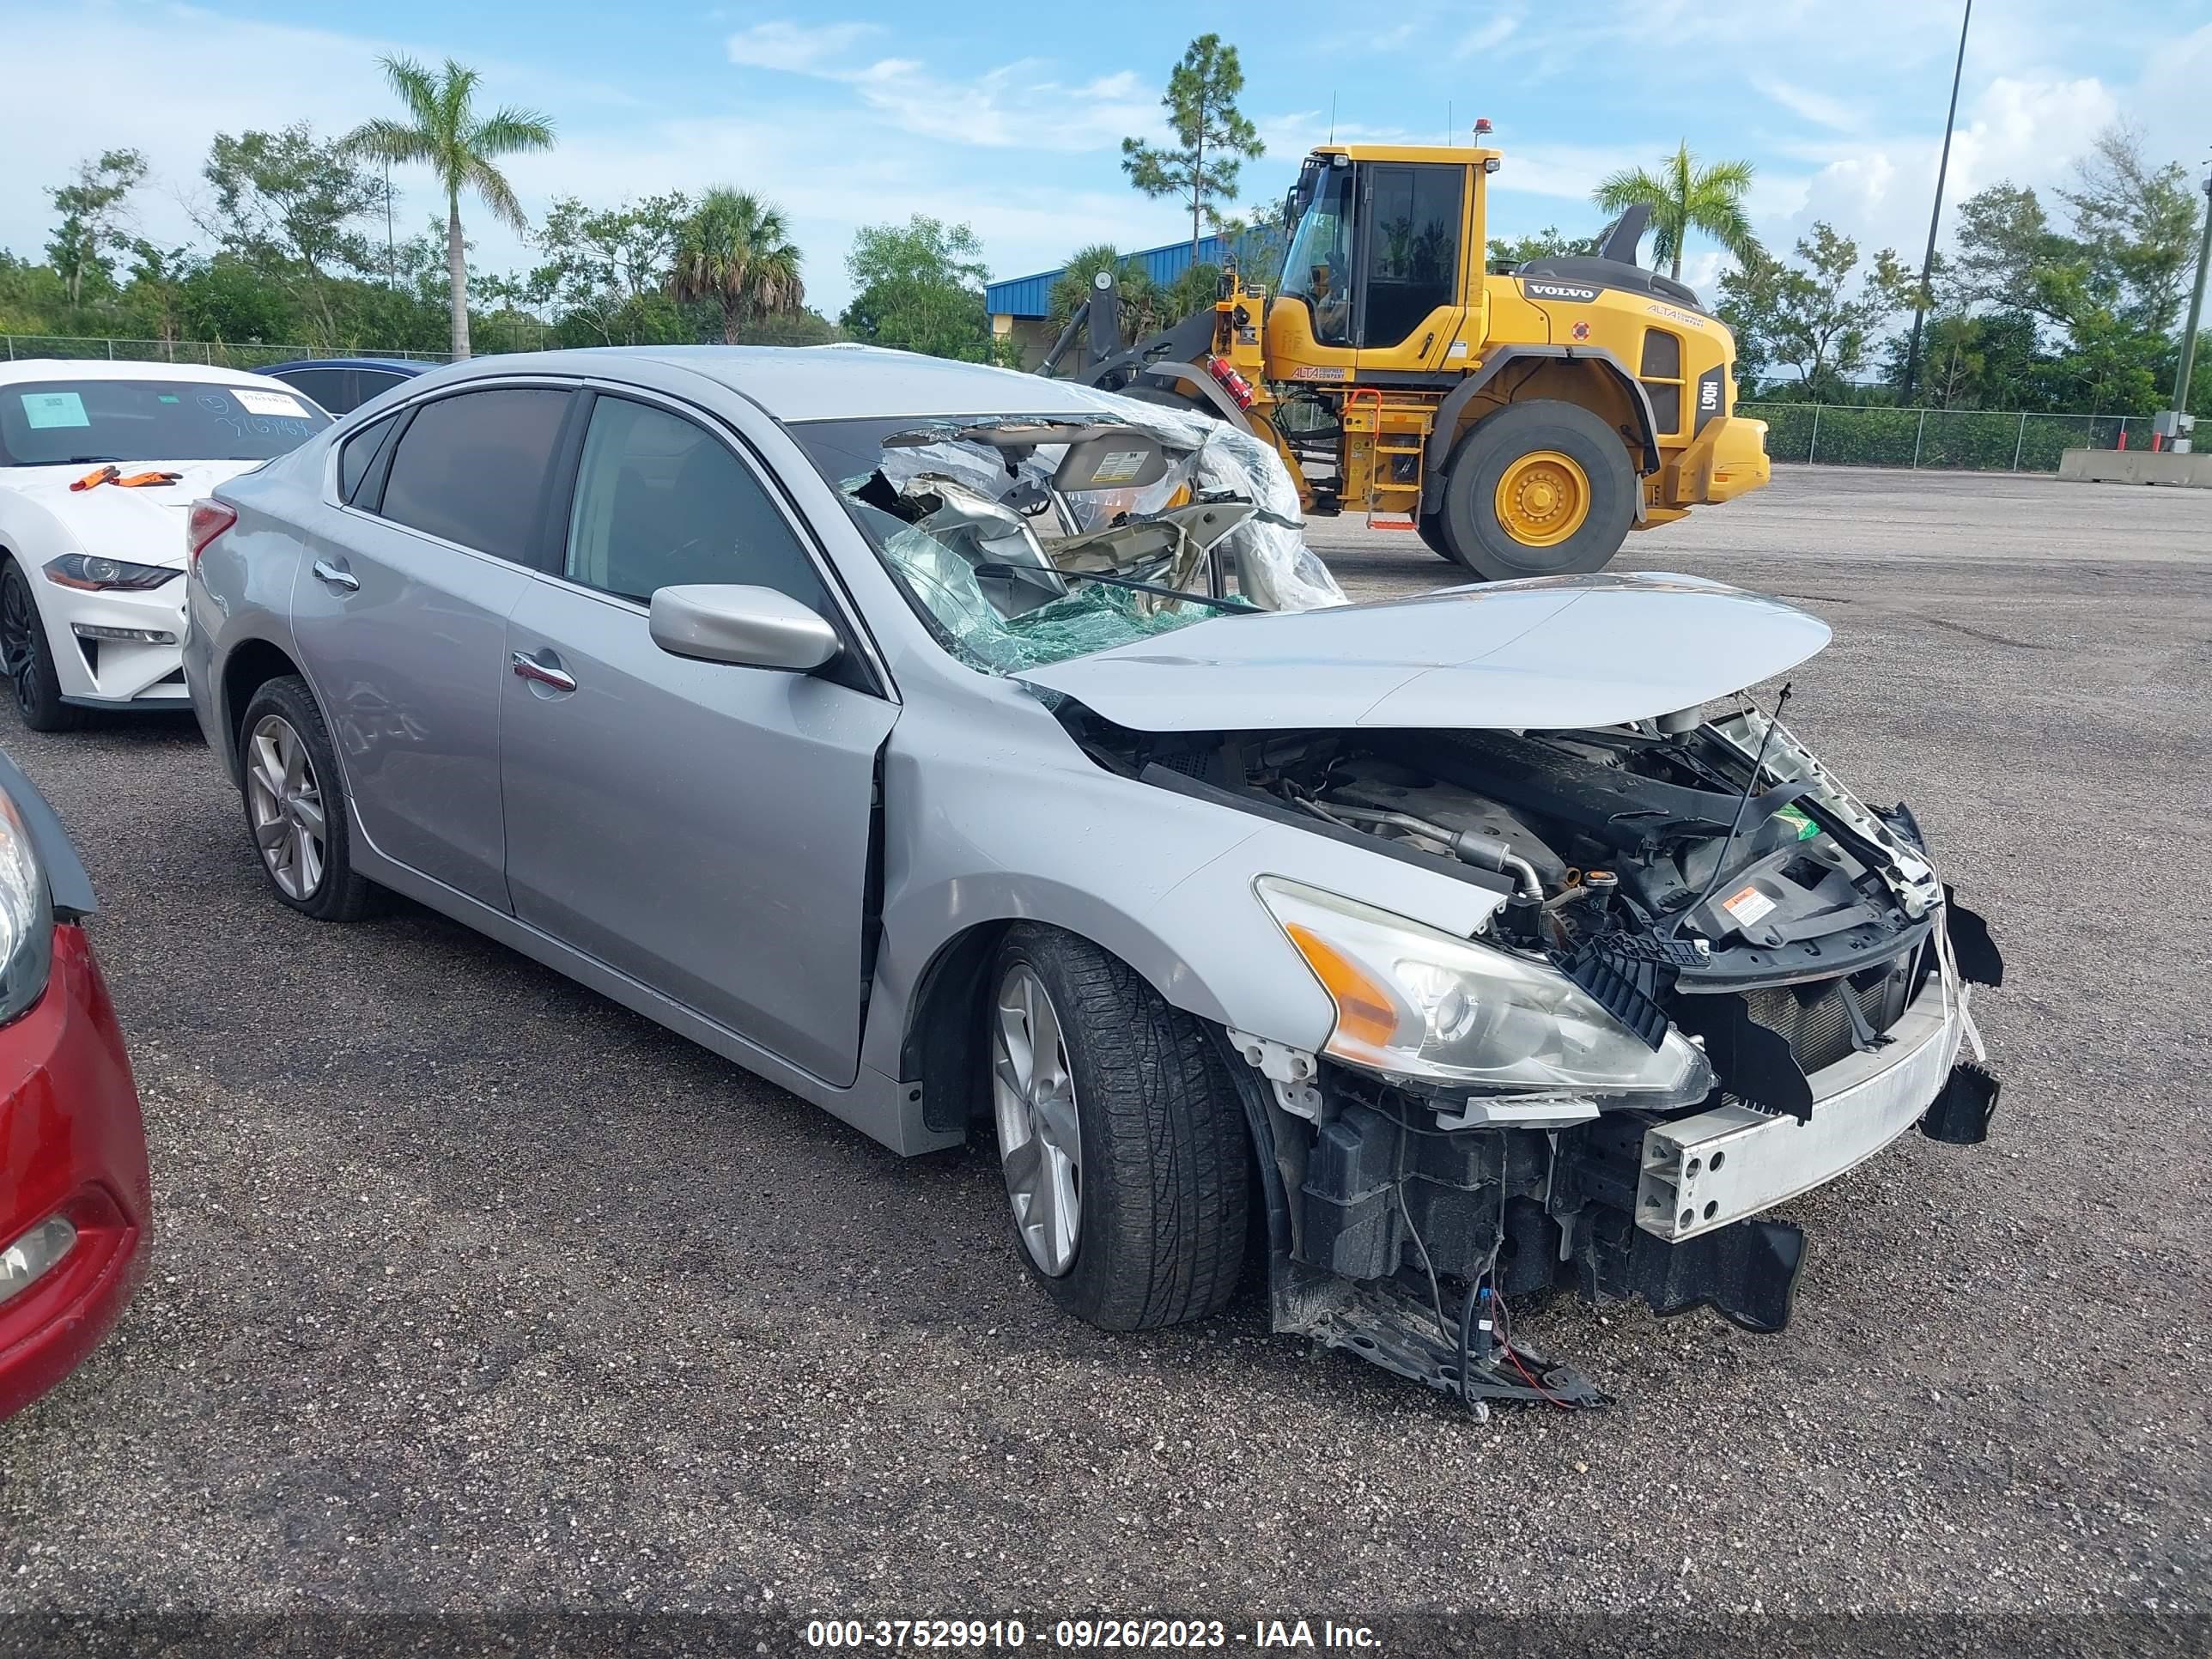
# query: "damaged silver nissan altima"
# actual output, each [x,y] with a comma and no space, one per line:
[978,755]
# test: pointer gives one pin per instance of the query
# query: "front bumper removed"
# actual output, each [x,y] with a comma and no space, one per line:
[1386,1227]
[1703,1173]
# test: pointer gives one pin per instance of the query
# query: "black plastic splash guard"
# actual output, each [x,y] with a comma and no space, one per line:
[1961,1115]
[1980,962]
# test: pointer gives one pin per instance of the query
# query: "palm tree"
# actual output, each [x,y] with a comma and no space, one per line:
[737,250]
[445,137]
[1684,197]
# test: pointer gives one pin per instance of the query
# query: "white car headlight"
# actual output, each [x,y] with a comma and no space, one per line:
[1414,1002]
[26,918]
[94,575]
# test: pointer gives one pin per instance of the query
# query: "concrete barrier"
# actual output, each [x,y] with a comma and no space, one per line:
[2141,466]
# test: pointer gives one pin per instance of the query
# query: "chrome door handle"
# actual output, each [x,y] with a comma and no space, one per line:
[529,668]
[336,575]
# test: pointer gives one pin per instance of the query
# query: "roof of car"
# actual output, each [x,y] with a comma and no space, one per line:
[116,368]
[831,382]
[400,365]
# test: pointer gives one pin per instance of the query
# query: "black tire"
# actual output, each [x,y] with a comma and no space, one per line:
[1471,524]
[29,657]
[1431,528]
[338,893]
[1166,1157]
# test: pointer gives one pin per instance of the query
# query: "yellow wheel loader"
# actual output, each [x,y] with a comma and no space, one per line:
[1522,424]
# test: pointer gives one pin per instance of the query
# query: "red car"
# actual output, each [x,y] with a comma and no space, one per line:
[76,1213]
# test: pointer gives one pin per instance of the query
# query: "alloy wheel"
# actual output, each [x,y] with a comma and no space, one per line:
[18,646]
[286,804]
[1040,1134]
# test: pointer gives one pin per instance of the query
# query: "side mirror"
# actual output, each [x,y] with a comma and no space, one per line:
[755,627]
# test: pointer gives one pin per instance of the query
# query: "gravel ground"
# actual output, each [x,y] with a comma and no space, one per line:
[476,1294]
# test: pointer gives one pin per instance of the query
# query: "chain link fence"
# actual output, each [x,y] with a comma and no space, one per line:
[1962,440]
[214,354]
[488,336]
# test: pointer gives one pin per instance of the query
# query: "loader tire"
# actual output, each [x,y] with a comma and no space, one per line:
[1432,527]
[1540,489]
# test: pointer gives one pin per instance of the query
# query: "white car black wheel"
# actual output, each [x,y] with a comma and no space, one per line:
[28,658]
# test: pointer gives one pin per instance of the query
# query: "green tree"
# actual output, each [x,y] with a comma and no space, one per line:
[2139,223]
[291,206]
[1819,315]
[156,292]
[93,222]
[919,287]
[1212,138]
[605,271]
[1143,305]
[1684,197]
[2084,313]
[736,251]
[444,133]
[1510,253]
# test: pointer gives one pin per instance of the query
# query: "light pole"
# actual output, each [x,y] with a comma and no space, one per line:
[1936,218]
[2196,313]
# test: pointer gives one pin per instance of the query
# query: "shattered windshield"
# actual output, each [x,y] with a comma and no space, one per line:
[1025,540]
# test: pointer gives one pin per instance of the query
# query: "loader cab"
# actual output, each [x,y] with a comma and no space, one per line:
[1378,259]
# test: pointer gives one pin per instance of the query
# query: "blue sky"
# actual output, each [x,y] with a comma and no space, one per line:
[1010,117]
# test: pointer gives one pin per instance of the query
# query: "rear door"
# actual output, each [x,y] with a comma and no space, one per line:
[402,623]
[701,827]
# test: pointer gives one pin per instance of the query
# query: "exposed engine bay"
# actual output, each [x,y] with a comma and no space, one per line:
[1786,957]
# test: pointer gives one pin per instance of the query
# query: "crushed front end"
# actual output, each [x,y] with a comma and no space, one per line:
[1713,981]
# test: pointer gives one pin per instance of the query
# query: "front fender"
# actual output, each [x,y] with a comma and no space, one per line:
[973,836]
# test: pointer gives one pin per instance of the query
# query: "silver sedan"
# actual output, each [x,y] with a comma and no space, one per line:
[974,754]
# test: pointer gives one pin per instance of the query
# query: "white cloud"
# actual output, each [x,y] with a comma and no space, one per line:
[2027,131]
[796,48]
[1019,104]
[1490,35]
[1016,105]
[1817,107]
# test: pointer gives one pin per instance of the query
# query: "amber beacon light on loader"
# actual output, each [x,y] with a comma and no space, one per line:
[1524,422]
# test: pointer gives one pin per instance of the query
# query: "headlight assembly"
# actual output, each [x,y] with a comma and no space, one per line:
[26,918]
[1413,1001]
[95,575]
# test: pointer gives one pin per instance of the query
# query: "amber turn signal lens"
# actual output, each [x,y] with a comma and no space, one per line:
[1363,1009]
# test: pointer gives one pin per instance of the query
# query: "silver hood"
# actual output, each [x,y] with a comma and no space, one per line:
[1551,654]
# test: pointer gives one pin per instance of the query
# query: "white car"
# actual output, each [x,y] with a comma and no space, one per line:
[99,464]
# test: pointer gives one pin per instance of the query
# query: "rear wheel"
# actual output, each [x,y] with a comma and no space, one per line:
[1539,489]
[1431,528]
[1120,1137]
[28,658]
[295,804]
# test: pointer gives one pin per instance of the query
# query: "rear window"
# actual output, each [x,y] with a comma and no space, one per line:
[64,422]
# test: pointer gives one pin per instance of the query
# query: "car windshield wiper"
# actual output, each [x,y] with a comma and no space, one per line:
[86,460]
[1130,582]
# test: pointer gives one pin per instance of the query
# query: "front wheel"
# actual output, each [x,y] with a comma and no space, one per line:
[29,659]
[1120,1137]
[1539,489]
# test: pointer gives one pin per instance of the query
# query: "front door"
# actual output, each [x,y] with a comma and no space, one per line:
[1409,257]
[402,626]
[701,827]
